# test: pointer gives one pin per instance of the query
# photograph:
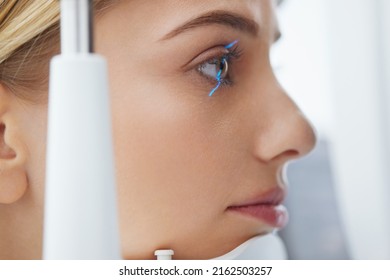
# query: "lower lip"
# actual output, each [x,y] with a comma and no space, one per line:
[274,215]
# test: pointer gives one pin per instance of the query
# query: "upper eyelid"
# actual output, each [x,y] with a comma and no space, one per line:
[235,53]
[216,52]
[205,56]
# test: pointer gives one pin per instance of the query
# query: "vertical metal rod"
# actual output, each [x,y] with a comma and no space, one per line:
[76,26]
[91,27]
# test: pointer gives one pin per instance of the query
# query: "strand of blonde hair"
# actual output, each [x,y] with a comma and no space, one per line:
[20,24]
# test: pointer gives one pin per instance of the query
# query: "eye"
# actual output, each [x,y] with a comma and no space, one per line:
[215,69]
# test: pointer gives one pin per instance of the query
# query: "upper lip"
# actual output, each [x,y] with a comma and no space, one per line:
[274,196]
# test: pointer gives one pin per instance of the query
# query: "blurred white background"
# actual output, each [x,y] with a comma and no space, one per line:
[334,60]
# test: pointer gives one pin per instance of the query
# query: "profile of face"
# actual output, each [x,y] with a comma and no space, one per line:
[183,158]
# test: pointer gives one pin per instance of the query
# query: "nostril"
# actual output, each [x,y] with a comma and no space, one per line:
[291,153]
[287,155]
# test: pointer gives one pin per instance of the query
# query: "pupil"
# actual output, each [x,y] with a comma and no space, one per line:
[223,67]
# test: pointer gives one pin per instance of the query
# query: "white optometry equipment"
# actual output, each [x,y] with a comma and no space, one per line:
[80,200]
[81,220]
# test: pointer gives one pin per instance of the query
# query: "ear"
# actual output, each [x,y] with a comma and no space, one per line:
[13,176]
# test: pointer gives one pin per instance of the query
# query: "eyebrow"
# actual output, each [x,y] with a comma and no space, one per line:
[225,18]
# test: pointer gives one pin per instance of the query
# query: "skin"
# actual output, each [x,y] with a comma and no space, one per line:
[182,157]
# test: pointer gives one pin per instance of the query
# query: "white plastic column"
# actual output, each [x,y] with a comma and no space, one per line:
[80,203]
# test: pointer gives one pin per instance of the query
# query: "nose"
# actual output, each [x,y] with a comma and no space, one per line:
[283,132]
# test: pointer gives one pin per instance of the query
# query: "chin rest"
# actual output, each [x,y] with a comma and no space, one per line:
[265,247]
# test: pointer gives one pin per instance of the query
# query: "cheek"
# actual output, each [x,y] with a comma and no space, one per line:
[35,133]
[165,147]
[170,152]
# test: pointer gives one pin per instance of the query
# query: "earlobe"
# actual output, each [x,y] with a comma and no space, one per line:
[13,176]
[13,183]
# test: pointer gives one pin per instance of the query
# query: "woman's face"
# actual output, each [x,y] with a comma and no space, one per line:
[183,157]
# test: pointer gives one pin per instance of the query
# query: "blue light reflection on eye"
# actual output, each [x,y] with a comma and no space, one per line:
[218,78]
[219,83]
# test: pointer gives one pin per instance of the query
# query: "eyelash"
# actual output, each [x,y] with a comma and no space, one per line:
[233,54]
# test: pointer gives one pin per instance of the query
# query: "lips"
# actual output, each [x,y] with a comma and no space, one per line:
[265,207]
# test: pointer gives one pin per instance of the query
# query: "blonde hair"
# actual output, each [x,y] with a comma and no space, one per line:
[29,37]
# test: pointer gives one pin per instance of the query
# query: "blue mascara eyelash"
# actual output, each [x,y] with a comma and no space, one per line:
[218,78]
[229,46]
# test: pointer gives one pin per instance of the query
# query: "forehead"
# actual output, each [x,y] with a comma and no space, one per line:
[158,18]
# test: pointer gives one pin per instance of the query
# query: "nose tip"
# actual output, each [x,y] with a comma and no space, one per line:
[306,135]
[288,136]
